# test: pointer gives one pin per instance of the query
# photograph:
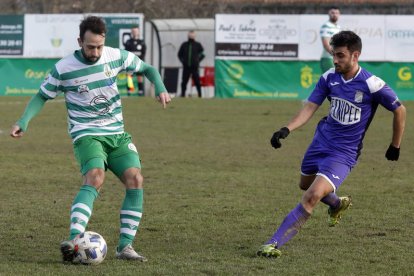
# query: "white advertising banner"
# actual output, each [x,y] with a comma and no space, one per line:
[257,36]
[399,38]
[55,35]
[384,37]
[371,29]
[310,45]
[51,35]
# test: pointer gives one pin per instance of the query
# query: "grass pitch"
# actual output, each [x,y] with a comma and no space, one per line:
[214,191]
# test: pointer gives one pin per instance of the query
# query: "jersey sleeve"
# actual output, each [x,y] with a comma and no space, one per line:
[130,62]
[321,90]
[382,93]
[324,31]
[51,86]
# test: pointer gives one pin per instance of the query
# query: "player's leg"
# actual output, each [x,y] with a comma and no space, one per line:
[91,156]
[196,78]
[294,221]
[125,163]
[310,166]
[140,81]
[184,80]
[335,172]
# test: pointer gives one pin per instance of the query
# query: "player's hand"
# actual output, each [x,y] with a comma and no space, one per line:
[392,153]
[280,134]
[16,131]
[164,99]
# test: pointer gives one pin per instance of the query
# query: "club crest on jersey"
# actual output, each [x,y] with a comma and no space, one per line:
[359,96]
[107,71]
[344,112]
[83,89]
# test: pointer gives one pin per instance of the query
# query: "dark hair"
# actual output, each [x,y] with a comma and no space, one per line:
[94,24]
[333,8]
[347,38]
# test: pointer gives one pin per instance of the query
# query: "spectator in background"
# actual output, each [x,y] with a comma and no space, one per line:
[138,47]
[191,53]
[327,31]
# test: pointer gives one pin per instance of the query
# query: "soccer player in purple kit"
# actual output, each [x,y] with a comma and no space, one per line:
[354,95]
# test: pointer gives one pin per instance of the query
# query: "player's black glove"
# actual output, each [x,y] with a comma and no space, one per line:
[392,153]
[280,134]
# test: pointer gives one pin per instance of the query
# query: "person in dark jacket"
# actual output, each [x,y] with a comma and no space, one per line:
[191,53]
[136,46]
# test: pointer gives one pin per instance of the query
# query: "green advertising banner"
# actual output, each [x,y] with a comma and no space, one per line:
[296,79]
[11,35]
[20,77]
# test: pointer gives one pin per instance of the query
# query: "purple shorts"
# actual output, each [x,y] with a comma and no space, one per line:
[326,163]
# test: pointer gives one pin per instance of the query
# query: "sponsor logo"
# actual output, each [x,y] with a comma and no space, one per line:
[132,227]
[396,101]
[236,70]
[306,77]
[344,112]
[334,83]
[100,104]
[404,73]
[335,176]
[132,147]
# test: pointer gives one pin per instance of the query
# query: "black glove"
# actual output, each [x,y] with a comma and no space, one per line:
[280,134]
[392,153]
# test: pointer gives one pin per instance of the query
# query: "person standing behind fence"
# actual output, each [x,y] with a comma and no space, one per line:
[138,47]
[191,53]
[327,30]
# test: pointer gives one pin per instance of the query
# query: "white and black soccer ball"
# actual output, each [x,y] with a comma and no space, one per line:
[90,248]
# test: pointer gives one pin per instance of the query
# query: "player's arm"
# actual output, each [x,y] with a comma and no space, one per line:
[315,100]
[398,126]
[301,118]
[326,45]
[154,76]
[201,55]
[181,53]
[32,109]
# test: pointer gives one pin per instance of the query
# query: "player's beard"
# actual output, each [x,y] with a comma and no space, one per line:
[342,69]
[90,58]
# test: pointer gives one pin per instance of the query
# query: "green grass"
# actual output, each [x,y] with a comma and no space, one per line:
[214,191]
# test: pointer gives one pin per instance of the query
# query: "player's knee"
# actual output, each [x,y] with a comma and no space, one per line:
[135,181]
[310,199]
[95,177]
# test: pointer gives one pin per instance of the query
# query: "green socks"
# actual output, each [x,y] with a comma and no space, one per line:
[81,210]
[130,215]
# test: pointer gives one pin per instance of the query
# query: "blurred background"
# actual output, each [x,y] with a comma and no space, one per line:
[253,49]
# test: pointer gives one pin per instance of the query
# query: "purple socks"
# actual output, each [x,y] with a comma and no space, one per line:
[332,200]
[290,226]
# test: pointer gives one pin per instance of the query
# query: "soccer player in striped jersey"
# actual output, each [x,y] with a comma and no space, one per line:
[354,95]
[87,78]
[328,29]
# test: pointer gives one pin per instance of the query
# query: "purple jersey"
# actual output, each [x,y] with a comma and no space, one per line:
[352,106]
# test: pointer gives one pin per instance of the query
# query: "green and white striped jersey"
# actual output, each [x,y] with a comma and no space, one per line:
[328,30]
[90,90]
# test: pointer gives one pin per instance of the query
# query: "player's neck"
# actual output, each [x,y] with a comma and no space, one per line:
[352,73]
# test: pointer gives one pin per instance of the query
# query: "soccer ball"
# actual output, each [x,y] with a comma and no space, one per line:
[90,248]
